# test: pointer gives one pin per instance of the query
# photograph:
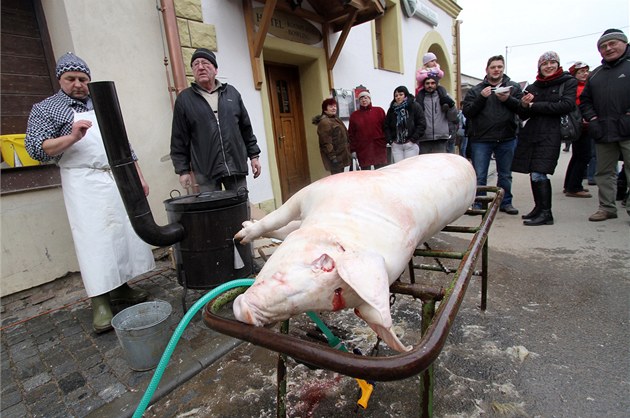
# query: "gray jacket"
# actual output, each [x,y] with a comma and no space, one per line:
[440,124]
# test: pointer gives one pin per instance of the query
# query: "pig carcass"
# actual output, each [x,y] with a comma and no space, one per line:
[347,237]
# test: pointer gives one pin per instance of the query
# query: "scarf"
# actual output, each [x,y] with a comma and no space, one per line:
[553,76]
[401,122]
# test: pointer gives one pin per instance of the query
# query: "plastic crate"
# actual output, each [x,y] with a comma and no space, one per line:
[13,151]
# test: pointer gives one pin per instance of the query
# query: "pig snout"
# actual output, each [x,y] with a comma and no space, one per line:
[244,312]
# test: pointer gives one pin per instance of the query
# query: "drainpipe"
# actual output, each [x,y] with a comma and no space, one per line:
[458,66]
[174,47]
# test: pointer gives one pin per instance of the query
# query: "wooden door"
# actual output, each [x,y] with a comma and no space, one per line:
[288,125]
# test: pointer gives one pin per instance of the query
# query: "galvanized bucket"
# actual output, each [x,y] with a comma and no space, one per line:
[143,333]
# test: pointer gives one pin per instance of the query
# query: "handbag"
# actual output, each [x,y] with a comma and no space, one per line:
[571,123]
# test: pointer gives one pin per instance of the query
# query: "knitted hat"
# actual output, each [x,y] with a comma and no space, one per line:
[429,56]
[548,56]
[364,93]
[70,62]
[328,102]
[612,34]
[204,53]
[578,65]
[432,76]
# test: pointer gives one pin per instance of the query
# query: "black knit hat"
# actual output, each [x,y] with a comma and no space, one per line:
[612,34]
[204,53]
[433,76]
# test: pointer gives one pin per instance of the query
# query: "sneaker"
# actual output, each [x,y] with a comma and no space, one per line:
[592,183]
[581,193]
[509,209]
[602,215]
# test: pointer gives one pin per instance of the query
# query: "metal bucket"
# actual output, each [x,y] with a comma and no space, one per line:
[143,333]
[207,255]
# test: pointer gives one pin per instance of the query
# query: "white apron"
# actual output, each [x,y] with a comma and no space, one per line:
[108,249]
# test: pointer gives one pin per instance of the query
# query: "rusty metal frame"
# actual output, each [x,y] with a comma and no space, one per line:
[436,324]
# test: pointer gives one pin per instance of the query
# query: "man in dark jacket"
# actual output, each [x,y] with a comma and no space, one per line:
[490,109]
[212,135]
[605,103]
[440,114]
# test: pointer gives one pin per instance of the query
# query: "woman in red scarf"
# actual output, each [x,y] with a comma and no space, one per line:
[539,140]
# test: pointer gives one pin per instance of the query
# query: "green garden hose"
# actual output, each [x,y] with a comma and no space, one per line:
[157,376]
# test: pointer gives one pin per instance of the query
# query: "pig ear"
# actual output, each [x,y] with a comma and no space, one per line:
[369,315]
[365,273]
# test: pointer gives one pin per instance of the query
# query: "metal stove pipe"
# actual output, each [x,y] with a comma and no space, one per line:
[110,120]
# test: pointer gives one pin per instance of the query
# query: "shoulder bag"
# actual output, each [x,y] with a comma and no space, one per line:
[571,123]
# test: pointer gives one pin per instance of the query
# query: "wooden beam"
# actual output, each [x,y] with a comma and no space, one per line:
[342,39]
[263,27]
[257,72]
[325,33]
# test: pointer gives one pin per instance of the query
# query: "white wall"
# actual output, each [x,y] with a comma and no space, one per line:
[235,68]
[121,41]
[356,64]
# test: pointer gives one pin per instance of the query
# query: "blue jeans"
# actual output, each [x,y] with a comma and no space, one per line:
[503,153]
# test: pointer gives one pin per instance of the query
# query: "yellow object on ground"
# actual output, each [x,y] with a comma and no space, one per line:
[13,151]
[366,392]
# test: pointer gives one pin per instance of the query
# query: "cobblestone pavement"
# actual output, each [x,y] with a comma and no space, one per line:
[54,365]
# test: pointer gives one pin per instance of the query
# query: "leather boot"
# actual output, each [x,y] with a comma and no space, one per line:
[101,313]
[536,193]
[125,294]
[545,216]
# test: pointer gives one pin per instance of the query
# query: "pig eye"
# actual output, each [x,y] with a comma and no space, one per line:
[324,263]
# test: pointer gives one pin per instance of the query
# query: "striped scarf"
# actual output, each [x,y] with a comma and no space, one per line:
[402,113]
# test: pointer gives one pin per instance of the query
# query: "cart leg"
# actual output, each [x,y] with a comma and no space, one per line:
[484,276]
[427,377]
[281,396]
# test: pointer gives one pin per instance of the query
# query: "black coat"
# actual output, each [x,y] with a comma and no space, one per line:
[416,123]
[607,96]
[197,141]
[487,118]
[539,141]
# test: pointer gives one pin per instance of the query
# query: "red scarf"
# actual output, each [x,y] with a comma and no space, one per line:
[553,76]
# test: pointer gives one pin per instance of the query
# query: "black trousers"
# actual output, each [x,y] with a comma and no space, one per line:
[577,165]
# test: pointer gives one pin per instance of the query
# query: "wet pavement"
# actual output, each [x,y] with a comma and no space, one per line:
[554,341]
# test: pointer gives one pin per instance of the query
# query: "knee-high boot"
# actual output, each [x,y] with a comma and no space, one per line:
[536,193]
[101,313]
[544,217]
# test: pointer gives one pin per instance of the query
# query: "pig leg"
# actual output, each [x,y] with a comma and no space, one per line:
[280,220]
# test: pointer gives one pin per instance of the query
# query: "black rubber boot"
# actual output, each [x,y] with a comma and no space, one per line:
[545,216]
[536,193]
[125,294]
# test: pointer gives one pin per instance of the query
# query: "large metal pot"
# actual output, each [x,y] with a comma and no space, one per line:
[207,255]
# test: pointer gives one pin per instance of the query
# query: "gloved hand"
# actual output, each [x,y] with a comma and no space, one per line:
[445,100]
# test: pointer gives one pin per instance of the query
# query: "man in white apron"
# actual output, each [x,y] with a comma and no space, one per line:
[63,127]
